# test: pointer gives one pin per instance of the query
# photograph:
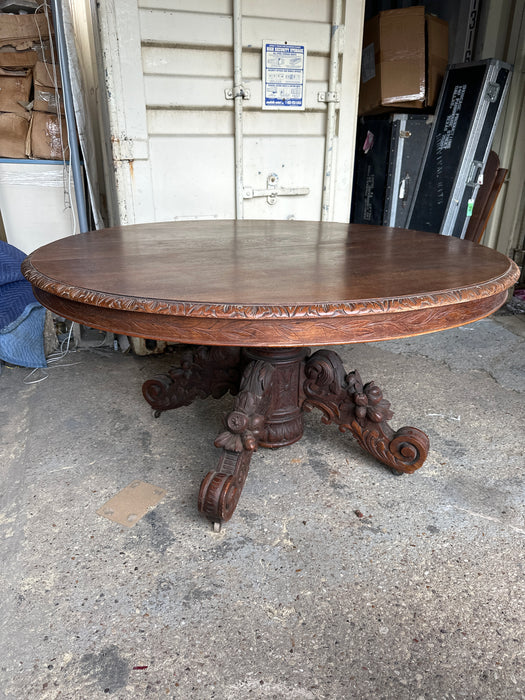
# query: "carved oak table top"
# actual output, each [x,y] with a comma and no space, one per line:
[271,288]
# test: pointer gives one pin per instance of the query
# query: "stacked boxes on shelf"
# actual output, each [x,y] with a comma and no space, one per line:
[16,79]
[31,134]
[404,60]
[31,111]
[48,130]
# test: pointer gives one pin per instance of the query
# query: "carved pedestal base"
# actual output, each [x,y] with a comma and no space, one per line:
[273,387]
[208,371]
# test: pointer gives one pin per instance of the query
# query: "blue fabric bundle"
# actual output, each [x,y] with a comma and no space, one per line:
[21,316]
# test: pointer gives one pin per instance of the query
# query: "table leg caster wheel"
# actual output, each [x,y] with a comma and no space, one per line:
[217,527]
[396,472]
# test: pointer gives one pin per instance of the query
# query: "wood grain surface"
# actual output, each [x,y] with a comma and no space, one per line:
[273,283]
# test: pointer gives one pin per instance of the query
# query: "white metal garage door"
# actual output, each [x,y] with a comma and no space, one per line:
[169,71]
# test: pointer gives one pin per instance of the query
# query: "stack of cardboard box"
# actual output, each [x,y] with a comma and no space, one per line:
[16,80]
[32,124]
[404,60]
[405,56]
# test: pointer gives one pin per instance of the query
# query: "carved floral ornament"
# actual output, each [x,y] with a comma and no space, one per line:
[368,400]
[270,311]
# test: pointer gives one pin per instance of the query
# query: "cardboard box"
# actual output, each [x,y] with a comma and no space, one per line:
[15,90]
[21,31]
[46,51]
[437,57]
[400,69]
[47,75]
[13,134]
[47,137]
[40,50]
[10,58]
[48,100]
[48,88]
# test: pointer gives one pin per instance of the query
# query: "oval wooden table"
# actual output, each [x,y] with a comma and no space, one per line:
[253,295]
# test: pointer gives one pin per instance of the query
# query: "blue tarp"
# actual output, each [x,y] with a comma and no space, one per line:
[21,316]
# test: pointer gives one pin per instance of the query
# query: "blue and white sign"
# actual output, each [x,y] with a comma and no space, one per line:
[284,71]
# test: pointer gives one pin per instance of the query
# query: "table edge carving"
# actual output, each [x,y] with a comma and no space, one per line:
[271,311]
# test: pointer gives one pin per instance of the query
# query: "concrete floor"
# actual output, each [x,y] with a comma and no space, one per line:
[296,597]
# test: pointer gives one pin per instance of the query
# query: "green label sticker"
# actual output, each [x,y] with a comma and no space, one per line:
[470,207]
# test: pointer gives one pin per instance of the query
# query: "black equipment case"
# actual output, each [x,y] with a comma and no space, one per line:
[370,169]
[389,152]
[467,113]
[408,140]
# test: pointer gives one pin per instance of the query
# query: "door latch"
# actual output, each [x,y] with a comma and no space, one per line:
[237,91]
[273,190]
[475,175]
[493,92]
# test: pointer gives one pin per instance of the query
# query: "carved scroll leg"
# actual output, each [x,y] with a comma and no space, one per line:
[221,489]
[207,371]
[361,409]
[403,451]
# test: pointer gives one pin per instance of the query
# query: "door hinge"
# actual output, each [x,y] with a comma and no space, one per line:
[273,190]
[328,97]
